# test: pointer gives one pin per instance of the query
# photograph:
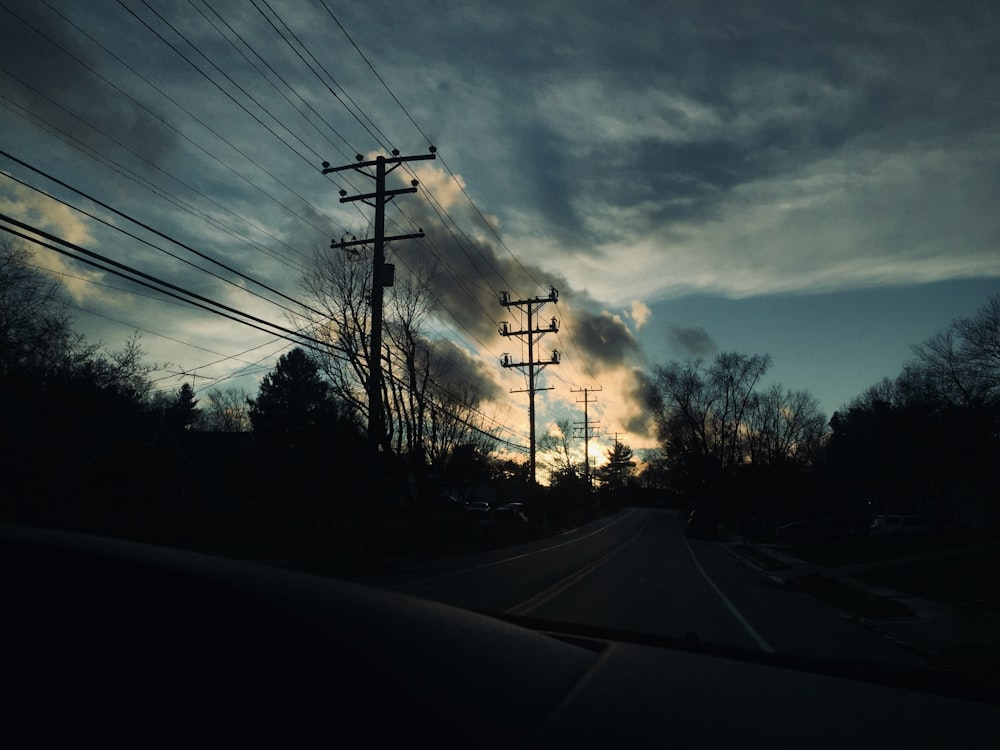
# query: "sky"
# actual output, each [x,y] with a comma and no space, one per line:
[814,181]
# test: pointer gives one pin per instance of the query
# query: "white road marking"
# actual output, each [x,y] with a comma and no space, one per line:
[765,646]
[542,597]
[520,556]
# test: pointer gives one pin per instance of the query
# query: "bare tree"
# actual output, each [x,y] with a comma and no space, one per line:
[340,289]
[225,410]
[35,331]
[555,449]
[123,371]
[682,406]
[430,407]
[454,420]
[406,344]
[981,334]
[732,379]
[960,365]
[701,411]
[783,427]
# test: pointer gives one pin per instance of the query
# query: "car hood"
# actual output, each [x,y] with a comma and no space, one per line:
[143,645]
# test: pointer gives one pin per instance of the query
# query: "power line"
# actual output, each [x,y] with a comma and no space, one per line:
[148,228]
[318,76]
[246,157]
[95,260]
[281,78]
[420,130]
[151,245]
[120,269]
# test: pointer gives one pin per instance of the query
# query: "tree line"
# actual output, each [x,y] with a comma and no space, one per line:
[926,442]
[87,420]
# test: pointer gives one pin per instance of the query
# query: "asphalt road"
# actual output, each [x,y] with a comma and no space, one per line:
[638,571]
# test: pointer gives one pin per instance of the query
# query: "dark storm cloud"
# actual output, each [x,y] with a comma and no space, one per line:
[640,390]
[780,86]
[470,273]
[49,69]
[603,337]
[691,342]
[460,372]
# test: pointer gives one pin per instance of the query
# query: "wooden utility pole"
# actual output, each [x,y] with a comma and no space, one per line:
[381,278]
[585,428]
[530,334]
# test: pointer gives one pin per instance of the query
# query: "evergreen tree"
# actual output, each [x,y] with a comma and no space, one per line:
[182,413]
[620,464]
[294,403]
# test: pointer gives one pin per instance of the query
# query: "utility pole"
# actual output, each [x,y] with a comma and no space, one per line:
[530,334]
[585,427]
[381,278]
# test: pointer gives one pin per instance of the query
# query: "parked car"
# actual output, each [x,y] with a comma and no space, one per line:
[451,504]
[513,512]
[896,525]
[478,508]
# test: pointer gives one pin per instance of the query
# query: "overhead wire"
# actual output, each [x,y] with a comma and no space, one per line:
[435,204]
[439,210]
[454,177]
[382,134]
[246,157]
[148,228]
[215,83]
[281,78]
[232,98]
[150,244]
[123,270]
[224,357]
[326,348]
[420,130]
[146,184]
[333,93]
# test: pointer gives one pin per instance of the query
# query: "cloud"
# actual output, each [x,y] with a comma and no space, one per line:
[637,389]
[603,338]
[38,210]
[462,374]
[43,58]
[691,342]
[640,313]
[759,151]
[447,191]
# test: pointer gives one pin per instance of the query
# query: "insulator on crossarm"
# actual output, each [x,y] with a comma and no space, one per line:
[504,298]
[555,356]
[553,294]
[554,325]
[504,328]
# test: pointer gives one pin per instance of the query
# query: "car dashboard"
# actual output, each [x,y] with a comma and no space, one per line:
[123,643]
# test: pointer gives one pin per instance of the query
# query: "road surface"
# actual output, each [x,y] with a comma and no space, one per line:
[638,571]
